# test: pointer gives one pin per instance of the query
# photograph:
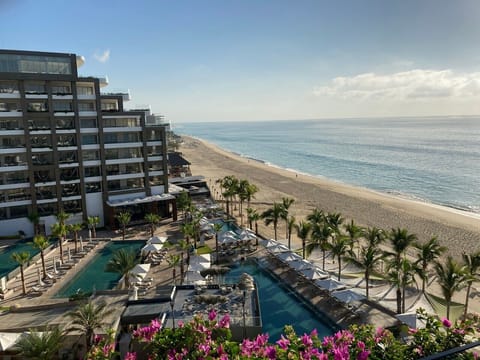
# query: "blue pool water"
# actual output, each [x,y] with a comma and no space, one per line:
[280,305]
[93,275]
[7,264]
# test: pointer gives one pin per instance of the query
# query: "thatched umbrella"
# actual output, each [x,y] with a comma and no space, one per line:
[215,271]
[246,283]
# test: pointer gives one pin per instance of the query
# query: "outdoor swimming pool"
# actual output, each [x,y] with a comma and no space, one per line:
[280,305]
[93,275]
[7,265]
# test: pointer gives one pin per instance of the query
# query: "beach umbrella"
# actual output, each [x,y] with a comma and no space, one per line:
[157,240]
[81,243]
[348,296]
[330,284]
[141,269]
[39,274]
[193,277]
[288,256]
[411,320]
[8,340]
[314,273]
[278,248]
[134,292]
[55,264]
[68,254]
[89,235]
[151,248]
[269,243]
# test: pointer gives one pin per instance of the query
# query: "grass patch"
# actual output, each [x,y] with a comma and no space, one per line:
[203,249]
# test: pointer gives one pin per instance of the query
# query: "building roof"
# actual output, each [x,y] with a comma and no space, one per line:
[176,159]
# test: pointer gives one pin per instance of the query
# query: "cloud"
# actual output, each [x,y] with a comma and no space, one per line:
[102,57]
[406,85]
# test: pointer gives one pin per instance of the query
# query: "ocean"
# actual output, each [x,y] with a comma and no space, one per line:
[434,160]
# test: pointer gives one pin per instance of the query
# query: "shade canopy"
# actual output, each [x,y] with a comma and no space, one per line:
[157,240]
[347,296]
[140,269]
[288,256]
[314,273]
[278,248]
[151,248]
[330,284]
[8,340]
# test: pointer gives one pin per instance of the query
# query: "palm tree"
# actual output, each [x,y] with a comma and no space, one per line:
[21,258]
[183,246]
[35,220]
[253,217]
[339,248]
[286,203]
[183,202]
[408,270]
[321,233]
[303,230]
[427,254]
[251,190]
[229,185]
[123,219]
[451,278]
[41,242]
[334,220]
[243,196]
[173,260]
[153,220]
[400,241]
[316,216]
[290,226]
[367,259]
[75,228]
[92,222]
[89,317]
[122,262]
[374,236]
[472,267]
[59,231]
[40,345]
[272,215]
[62,217]
[354,232]
[188,231]
[216,228]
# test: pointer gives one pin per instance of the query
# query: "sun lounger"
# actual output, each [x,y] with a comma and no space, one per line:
[36,290]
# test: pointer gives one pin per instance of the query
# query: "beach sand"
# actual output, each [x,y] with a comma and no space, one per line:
[458,231]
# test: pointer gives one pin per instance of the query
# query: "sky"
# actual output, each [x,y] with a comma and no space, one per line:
[247,60]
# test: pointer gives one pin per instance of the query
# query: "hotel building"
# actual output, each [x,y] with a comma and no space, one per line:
[65,145]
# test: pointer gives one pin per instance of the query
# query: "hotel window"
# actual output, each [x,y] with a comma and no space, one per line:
[66,157]
[61,90]
[18,212]
[46,192]
[154,150]
[155,180]
[154,135]
[86,106]
[113,138]
[93,187]
[39,124]
[10,142]
[16,195]
[88,123]
[9,124]
[109,106]
[37,107]
[92,171]
[69,174]
[121,122]
[125,153]
[14,160]
[35,88]
[40,159]
[67,123]
[85,90]
[89,155]
[16,177]
[70,190]
[47,209]
[73,206]
[8,87]
[89,139]
[10,106]
[62,106]
[135,183]
[66,140]
[44,176]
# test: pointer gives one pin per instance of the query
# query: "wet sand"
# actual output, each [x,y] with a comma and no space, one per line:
[457,230]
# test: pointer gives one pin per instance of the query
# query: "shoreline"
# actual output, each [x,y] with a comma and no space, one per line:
[456,209]
[365,206]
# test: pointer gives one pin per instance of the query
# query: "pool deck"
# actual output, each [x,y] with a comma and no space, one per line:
[161,274]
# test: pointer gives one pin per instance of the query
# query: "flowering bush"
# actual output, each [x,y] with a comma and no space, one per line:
[103,347]
[209,339]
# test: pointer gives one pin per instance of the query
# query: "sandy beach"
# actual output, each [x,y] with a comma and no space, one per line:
[457,230]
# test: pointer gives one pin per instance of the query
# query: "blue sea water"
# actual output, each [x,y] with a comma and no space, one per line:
[433,159]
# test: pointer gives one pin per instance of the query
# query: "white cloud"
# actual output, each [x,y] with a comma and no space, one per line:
[407,85]
[102,57]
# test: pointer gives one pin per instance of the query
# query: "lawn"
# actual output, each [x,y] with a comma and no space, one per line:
[203,249]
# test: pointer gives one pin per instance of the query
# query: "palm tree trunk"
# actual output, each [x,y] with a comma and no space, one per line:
[182,269]
[44,268]
[75,239]
[289,241]
[339,267]
[174,275]
[403,298]
[123,232]
[465,311]
[323,260]
[24,288]
[448,308]
[256,230]
[60,241]
[424,278]
[399,300]
[367,281]
[303,247]
[89,338]
[275,231]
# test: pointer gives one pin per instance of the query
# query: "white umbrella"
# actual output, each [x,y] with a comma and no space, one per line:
[151,248]
[269,243]
[278,248]
[348,296]
[55,264]
[193,277]
[7,340]
[411,320]
[40,281]
[157,240]
[288,256]
[314,273]
[135,293]
[227,240]
[68,254]
[89,235]
[81,244]
[141,269]
[330,284]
